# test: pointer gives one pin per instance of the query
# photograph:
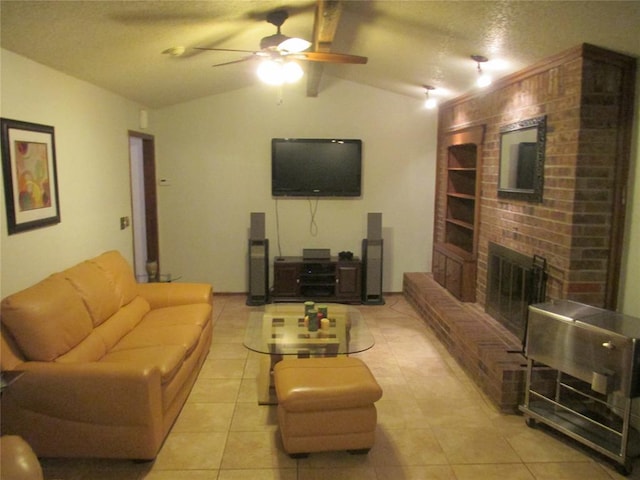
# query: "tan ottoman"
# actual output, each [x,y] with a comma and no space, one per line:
[326,404]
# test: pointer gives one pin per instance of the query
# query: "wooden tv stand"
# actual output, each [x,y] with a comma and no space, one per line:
[320,280]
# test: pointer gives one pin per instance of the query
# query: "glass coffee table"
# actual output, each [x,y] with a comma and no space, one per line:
[280,330]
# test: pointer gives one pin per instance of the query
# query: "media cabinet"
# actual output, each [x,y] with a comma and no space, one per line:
[321,280]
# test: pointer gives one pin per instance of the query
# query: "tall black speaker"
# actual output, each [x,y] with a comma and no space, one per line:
[258,261]
[372,261]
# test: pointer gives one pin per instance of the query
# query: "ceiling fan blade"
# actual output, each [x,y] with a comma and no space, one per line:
[227,50]
[329,57]
[242,60]
[255,53]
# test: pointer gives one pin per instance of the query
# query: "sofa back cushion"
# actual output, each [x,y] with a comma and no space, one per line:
[47,319]
[120,273]
[96,290]
[122,322]
[91,349]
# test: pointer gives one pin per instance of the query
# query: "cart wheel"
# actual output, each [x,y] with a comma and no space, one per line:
[624,470]
[531,422]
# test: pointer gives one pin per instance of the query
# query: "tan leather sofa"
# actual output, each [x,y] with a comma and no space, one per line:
[108,362]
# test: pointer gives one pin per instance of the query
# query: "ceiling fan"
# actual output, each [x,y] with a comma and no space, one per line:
[280,47]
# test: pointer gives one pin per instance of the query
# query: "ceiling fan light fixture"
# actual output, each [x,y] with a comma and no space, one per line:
[292,72]
[273,42]
[294,45]
[274,72]
[270,72]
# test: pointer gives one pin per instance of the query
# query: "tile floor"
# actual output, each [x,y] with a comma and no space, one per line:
[432,421]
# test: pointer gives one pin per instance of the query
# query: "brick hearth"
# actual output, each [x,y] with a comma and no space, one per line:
[478,342]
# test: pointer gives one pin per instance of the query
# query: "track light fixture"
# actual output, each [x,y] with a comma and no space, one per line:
[429,102]
[483,79]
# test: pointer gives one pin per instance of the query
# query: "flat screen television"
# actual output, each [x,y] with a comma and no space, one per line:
[316,167]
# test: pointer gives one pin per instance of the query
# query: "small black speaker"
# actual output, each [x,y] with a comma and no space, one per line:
[374,226]
[372,261]
[257,226]
[258,262]
[372,272]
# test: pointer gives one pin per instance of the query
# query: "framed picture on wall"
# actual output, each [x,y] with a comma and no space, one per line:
[30,177]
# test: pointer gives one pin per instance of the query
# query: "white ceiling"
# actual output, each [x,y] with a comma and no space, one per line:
[118,45]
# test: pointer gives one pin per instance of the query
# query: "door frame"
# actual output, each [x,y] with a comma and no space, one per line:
[150,195]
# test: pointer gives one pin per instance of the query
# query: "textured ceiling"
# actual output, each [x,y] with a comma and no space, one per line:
[118,45]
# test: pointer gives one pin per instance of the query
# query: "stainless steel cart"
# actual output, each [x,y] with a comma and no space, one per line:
[582,375]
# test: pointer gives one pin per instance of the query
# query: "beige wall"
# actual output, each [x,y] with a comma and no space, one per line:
[93,170]
[216,154]
[630,276]
[220,160]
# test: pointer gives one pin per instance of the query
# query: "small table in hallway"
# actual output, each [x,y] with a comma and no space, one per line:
[279,330]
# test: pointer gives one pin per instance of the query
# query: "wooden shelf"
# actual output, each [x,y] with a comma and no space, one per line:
[465,196]
[461,196]
[468,226]
[455,249]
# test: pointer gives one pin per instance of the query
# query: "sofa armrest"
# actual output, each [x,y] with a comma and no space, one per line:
[161,295]
[94,393]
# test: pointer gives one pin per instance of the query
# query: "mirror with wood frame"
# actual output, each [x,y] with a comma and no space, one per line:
[522,151]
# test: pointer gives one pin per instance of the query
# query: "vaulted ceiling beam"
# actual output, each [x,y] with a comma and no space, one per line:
[325,26]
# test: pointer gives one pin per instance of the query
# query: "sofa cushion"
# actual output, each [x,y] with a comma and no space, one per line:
[90,349]
[96,290]
[122,322]
[47,319]
[198,314]
[166,358]
[185,336]
[120,273]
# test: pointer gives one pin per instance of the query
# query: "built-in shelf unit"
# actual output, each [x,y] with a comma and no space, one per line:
[455,246]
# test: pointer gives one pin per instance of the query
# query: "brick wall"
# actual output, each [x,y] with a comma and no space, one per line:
[586,94]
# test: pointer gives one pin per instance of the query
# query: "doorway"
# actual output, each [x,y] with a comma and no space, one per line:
[144,209]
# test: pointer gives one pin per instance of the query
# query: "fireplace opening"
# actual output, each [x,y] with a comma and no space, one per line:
[514,281]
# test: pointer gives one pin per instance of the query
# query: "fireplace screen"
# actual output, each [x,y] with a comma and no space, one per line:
[514,281]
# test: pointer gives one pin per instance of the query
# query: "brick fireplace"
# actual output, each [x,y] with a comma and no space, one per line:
[586,95]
